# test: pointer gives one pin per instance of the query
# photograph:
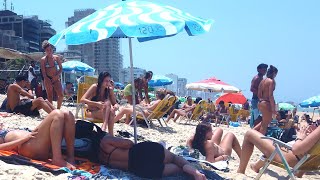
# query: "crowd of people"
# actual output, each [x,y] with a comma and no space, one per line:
[146,159]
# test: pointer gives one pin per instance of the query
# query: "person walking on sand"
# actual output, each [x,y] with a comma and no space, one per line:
[24,106]
[32,77]
[267,104]
[51,74]
[262,70]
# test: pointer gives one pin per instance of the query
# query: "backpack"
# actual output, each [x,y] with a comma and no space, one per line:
[87,140]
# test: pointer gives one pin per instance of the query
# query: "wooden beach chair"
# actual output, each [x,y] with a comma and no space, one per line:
[196,113]
[163,107]
[309,162]
[82,88]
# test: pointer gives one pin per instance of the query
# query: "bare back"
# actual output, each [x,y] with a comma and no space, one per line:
[13,95]
[266,88]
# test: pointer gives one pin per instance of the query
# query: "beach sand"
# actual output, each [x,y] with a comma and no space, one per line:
[174,135]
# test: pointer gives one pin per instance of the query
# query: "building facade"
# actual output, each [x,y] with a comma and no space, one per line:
[174,86]
[27,31]
[125,74]
[181,89]
[103,55]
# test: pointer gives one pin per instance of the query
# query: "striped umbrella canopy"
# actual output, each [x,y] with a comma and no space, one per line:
[311,102]
[159,80]
[212,85]
[79,66]
[132,19]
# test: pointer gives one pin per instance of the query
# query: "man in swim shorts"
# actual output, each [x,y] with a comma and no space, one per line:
[27,106]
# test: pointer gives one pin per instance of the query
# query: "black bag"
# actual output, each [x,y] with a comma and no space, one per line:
[288,135]
[88,135]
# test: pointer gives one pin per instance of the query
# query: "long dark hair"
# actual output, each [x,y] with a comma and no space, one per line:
[271,71]
[101,77]
[200,137]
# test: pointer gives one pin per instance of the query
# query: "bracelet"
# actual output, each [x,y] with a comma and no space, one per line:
[298,139]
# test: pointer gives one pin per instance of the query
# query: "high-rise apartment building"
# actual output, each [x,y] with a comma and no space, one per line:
[181,89]
[103,55]
[174,86]
[125,74]
[23,30]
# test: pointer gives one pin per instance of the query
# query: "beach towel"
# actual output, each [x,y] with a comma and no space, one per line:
[84,167]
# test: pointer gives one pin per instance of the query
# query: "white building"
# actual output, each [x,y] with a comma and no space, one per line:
[181,90]
[174,86]
[125,74]
[103,55]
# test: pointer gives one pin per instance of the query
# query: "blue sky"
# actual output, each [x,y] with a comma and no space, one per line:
[283,33]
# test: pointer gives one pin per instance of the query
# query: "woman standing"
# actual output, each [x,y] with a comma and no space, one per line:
[51,73]
[101,101]
[267,104]
[139,84]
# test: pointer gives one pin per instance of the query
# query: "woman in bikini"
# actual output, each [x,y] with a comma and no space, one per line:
[139,84]
[51,74]
[209,143]
[187,109]
[45,141]
[147,108]
[146,159]
[307,137]
[101,101]
[266,99]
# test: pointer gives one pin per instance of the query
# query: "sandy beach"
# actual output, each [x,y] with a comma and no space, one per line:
[174,135]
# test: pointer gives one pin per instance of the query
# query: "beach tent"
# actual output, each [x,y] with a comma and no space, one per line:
[212,85]
[132,19]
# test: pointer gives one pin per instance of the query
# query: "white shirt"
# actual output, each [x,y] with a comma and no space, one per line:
[30,75]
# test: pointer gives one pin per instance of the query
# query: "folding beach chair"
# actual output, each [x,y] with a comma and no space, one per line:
[163,107]
[309,162]
[196,113]
[82,89]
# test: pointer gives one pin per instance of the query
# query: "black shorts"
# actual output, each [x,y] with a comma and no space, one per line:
[146,159]
[34,83]
[25,108]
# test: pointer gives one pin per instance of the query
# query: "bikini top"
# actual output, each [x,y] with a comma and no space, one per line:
[96,97]
[3,133]
[48,65]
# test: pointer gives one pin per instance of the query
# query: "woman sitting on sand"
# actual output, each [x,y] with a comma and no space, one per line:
[307,137]
[209,143]
[45,141]
[101,101]
[160,94]
[187,110]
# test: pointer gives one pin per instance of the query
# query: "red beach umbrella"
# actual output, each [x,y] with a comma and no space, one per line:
[235,98]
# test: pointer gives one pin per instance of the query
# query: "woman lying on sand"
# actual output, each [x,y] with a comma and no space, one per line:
[209,143]
[145,159]
[306,139]
[45,141]
[160,94]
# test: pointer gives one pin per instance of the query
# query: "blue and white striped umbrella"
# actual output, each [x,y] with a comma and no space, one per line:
[132,19]
[137,19]
[79,66]
[311,102]
[158,80]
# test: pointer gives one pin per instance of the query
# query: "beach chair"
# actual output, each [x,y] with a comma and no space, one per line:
[196,113]
[82,88]
[163,107]
[309,162]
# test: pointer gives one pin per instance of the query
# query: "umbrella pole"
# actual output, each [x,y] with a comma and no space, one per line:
[133,93]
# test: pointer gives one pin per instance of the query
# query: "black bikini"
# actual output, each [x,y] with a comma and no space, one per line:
[47,65]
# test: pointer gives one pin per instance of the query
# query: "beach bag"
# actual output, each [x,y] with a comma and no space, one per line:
[288,135]
[90,136]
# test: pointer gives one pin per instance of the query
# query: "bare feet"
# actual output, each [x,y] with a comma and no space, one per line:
[254,168]
[63,163]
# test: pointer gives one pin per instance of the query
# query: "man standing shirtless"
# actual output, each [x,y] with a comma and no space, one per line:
[27,107]
[262,70]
